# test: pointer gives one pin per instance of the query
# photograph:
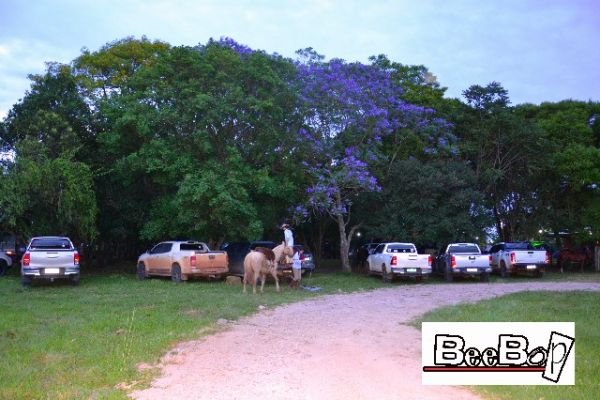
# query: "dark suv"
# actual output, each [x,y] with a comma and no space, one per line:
[236,251]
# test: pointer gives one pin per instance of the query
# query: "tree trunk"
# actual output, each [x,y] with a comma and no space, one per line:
[344,244]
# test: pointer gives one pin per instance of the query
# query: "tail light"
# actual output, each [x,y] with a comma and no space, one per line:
[10,253]
[429,260]
[547,257]
[76,258]
[193,261]
[513,258]
[26,259]
[453,261]
[394,260]
[490,259]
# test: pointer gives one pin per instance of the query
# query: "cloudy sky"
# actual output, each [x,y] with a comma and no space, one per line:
[540,50]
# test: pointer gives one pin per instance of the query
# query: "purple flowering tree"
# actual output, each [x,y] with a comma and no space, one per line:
[349,112]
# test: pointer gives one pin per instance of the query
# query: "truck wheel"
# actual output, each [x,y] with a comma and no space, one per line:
[387,278]
[485,277]
[448,275]
[141,271]
[176,273]
[369,270]
[539,273]
[74,280]
[503,270]
[25,281]
[3,267]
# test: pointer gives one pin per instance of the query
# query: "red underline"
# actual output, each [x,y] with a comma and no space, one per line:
[483,369]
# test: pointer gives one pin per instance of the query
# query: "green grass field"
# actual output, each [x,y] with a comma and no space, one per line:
[583,308]
[64,342]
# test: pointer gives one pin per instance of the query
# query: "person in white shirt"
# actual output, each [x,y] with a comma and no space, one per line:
[292,257]
[288,236]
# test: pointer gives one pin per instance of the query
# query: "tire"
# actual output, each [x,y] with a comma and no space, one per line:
[74,280]
[141,271]
[369,270]
[26,281]
[448,274]
[387,277]
[176,273]
[539,273]
[3,268]
[485,277]
[503,271]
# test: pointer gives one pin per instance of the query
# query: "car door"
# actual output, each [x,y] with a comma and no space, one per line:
[151,259]
[495,253]
[163,259]
[377,258]
[156,260]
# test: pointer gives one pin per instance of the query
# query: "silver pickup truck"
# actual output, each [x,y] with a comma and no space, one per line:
[463,259]
[513,257]
[50,258]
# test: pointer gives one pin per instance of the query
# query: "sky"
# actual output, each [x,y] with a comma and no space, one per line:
[539,50]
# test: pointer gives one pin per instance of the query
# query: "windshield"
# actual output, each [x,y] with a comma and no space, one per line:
[400,248]
[519,246]
[192,246]
[463,248]
[50,244]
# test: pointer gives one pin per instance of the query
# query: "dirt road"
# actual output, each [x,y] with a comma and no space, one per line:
[349,346]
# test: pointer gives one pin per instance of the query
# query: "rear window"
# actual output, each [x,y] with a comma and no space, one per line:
[463,249]
[53,244]
[398,248]
[269,245]
[192,246]
[519,246]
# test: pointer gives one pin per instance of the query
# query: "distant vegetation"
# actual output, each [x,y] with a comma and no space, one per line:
[141,141]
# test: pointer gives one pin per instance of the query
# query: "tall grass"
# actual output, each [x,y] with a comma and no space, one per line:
[64,342]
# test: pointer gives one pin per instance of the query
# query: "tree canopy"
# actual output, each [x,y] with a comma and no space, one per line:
[142,141]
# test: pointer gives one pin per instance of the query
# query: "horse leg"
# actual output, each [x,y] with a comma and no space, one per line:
[245,281]
[274,273]
[263,278]
[254,282]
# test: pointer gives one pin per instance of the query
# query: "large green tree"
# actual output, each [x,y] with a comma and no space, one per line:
[47,185]
[507,154]
[204,134]
[568,186]
[429,203]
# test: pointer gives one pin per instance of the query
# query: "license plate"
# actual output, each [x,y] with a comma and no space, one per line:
[411,270]
[471,269]
[531,267]
[52,271]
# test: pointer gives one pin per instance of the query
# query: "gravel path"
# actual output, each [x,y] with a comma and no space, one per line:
[348,346]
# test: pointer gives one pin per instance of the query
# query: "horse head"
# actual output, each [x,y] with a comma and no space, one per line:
[279,253]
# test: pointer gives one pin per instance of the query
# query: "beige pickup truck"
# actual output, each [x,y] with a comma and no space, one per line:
[182,260]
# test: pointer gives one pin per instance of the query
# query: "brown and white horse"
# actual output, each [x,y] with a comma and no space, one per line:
[260,263]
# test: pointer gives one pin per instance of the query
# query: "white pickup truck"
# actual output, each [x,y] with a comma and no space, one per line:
[509,258]
[50,258]
[392,260]
[463,259]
